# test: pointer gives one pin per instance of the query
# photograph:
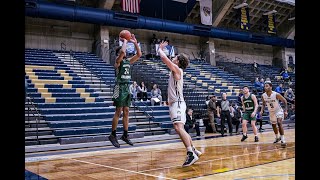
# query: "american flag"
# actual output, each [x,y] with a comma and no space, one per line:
[132,6]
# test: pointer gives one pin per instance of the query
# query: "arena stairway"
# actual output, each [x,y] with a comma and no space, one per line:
[36,126]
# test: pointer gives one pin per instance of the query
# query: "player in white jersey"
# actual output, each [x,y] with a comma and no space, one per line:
[276,113]
[177,105]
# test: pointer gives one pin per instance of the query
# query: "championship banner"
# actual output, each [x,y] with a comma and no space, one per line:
[244,18]
[206,12]
[272,24]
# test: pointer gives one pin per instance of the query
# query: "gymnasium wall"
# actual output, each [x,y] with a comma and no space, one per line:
[49,34]
[244,52]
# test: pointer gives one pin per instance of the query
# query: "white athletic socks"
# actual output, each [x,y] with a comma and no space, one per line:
[189,149]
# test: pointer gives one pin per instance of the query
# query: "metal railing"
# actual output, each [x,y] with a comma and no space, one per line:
[37,115]
[146,113]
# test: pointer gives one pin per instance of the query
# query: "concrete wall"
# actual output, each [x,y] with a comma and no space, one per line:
[49,34]
[245,52]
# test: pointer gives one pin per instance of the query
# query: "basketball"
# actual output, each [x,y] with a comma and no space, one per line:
[125,34]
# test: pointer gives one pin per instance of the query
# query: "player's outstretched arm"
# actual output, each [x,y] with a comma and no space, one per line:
[173,67]
[136,46]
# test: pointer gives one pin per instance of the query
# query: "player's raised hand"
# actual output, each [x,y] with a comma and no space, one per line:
[163,44]
[133,38]
[122,39]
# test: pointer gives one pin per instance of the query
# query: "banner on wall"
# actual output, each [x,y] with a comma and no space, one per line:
[206,12]
[272,24]
[244,18]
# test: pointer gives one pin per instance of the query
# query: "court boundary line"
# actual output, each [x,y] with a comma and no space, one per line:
[217,160]
[136,172]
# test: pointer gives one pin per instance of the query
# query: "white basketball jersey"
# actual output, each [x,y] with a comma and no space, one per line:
[272,102]
[175,88]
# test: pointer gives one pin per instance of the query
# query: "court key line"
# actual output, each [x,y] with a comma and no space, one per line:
[120,169]
[212,160]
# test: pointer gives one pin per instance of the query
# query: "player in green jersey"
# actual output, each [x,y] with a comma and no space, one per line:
[250,107]
[121,94]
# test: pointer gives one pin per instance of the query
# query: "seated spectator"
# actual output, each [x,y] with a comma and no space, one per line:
[142,92]
[257,85]
[191,122]
[156,95]
[289,95]
[285,76]
[279,89]
[133,90]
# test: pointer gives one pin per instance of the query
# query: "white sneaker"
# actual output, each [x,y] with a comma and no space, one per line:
[191,159]
[283,144]
[197,152]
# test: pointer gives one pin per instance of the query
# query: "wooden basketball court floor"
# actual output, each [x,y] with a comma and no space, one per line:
[223,158]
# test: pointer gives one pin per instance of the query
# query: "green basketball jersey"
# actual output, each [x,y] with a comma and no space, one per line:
[123,73]
[248,103]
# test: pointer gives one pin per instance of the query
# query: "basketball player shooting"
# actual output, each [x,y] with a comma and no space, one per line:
[121,94]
